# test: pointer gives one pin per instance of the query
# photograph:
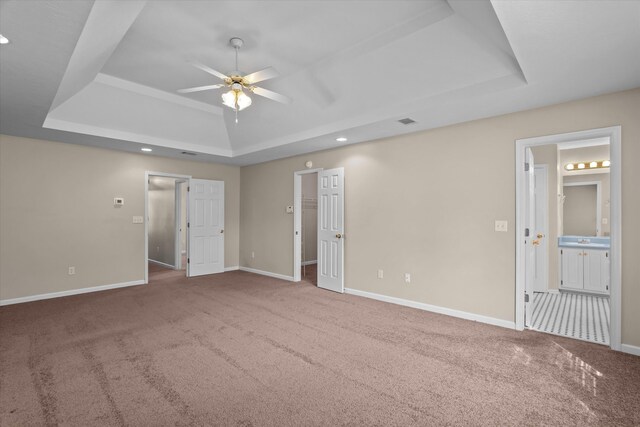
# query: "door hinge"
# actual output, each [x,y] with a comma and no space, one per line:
[606,254]
[561,252]
[562,282]
[188,188]
[526,167]
[188,224]
[526,297]
[188,260]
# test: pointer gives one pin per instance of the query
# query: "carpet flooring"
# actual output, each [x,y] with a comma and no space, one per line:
[580,316]
[238,349]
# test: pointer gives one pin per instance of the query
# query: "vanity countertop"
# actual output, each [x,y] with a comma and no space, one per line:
[587,242]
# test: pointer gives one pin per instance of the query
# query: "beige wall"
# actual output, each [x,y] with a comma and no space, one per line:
[403,216]
[56,210]
[548,155]
[162,220]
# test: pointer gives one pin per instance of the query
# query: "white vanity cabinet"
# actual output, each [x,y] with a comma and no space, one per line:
[585,270]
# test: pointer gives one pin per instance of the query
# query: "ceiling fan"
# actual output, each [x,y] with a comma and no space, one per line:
[235,98]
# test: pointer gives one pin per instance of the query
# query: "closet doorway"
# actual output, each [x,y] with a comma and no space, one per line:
[166,223]
[306,226]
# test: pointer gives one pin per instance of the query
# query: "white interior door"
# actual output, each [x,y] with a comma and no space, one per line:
[206,227]
[530,250]
[331,229]
[541,229]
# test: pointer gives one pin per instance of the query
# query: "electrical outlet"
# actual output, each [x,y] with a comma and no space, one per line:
[72,271]
[407,278]
[501,226]
[138,220]
[380,274]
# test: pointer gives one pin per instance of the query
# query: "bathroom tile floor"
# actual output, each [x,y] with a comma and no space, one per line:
[580,316]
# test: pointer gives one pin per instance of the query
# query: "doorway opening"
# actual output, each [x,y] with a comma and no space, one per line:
[305,211]
[329,230]
[577,240]
[166,211]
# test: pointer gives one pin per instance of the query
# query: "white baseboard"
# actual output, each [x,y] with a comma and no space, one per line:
[267,273]
[233,268]
[314,261]
[434,308]
[69,292]
[164,264]
[631,349]
[553,291]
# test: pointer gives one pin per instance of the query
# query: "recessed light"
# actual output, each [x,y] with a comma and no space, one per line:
[3,39]
[341,139]
[146,149]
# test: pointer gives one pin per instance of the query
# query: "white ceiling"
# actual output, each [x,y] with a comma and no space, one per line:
[106,73]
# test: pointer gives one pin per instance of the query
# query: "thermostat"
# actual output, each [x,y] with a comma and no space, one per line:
[118,201]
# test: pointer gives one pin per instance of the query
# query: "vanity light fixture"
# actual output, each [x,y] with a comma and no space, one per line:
[341,139]
[601,164]
[3,39]
[146,149]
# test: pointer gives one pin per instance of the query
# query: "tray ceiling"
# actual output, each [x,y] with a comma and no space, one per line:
[112,69]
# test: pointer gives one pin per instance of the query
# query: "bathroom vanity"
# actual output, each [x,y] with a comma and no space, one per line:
[585,264]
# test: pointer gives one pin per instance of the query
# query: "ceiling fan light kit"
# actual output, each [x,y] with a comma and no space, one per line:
[235,98]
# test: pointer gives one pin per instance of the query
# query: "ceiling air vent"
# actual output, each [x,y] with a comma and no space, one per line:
[406,121]
[186,153]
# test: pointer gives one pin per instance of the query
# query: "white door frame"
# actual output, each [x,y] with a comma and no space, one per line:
[147,175]
[178,225]
[297,220]
[598,202]
[545,221]
[614,134]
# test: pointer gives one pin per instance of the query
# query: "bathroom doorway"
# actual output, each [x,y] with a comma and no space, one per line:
[582,299]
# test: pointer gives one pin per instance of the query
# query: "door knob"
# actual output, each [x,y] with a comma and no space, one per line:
[339,236]
[221,231]
[536,242]
[540,235]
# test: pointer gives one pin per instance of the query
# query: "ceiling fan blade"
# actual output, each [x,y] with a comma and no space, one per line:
[271,95]
[259,76]
[209,70]
[200,88]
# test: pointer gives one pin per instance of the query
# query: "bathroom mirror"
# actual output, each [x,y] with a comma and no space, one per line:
[581,215]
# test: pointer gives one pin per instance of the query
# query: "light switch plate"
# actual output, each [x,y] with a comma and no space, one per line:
[289,209]
[138,220]
[501,225]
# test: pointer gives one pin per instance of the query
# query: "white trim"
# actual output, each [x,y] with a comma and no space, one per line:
[232,268]
[314,261]
[614,133]
[164,264]
[148,174]
[297,220]
[70,292]
[631,349]
[545,219]
[553,291]
[434,308]
[598,185]
[267,273]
